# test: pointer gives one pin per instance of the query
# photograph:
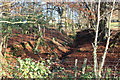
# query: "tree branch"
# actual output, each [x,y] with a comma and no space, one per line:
[17,22]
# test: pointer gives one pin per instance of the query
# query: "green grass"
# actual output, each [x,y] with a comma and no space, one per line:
[115,25]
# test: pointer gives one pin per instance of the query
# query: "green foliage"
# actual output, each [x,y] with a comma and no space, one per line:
[88,75]
[27,68]
[108,73]
[2,72]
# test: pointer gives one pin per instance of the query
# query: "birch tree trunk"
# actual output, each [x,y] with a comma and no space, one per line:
[107,44]
[95,43]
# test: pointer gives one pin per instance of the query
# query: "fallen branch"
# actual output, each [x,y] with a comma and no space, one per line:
[17,22]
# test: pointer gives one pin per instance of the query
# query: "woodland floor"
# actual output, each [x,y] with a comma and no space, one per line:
[60,46]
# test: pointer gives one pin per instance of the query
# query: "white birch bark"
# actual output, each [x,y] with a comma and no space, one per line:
[107,44]
[95,43]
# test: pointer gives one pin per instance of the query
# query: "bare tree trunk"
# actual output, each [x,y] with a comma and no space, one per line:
[95,43]
[38,40]
[76,61]
[107,44]
[1,70]
[84,66]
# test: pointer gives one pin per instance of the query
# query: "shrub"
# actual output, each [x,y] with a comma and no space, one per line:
[27,68]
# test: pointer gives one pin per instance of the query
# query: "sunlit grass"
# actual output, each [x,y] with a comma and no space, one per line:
[115,25]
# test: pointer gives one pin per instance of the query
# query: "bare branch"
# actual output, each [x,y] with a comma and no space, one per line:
[17,22]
